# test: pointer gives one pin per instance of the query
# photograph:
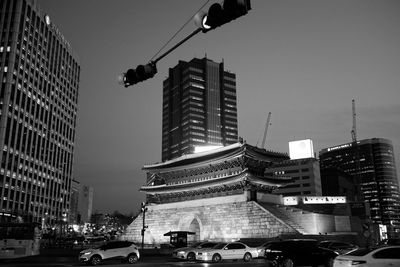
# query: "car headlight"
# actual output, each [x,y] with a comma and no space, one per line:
[87,253]
[181,252]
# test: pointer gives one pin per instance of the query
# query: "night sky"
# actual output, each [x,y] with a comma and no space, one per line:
[303,61]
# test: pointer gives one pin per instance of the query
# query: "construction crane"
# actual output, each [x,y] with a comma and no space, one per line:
[358,179]
[266,130]
[354,129]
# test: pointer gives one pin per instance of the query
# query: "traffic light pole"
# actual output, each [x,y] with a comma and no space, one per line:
[177,45]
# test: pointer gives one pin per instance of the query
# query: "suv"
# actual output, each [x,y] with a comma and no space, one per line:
[124,250]
[298,252]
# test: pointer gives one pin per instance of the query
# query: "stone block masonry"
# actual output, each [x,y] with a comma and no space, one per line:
[222,219]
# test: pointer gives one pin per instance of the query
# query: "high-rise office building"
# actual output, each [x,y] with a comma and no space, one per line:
[372,163]
[39,76]
[199,108]
[81,206]
[304,173]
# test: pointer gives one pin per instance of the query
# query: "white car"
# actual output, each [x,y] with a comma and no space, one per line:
[189,253]
[124,250]
[227,251]
[387,256]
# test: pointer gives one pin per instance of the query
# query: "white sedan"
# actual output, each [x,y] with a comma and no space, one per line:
[388,256]
[227,251]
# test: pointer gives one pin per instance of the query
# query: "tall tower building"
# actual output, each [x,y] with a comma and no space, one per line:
[199,108]
[39,76]
[372,162]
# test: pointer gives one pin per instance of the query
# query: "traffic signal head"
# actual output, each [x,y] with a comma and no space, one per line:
[218,15]
[141,73]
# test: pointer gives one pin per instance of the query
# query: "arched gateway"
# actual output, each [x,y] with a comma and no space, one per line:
[195,228]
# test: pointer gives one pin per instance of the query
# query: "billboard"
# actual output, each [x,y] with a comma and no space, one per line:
[301,149]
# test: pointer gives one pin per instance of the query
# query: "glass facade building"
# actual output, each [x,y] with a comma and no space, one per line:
[372,163]
[199,107]
[39,75]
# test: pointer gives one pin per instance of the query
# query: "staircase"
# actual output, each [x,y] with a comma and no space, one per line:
[289,215]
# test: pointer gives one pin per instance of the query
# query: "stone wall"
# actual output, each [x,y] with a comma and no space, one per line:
[217,220]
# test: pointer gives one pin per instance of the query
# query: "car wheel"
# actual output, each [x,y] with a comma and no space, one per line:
[216,258]
[329,262]
[132,258]
[247,257]
[287,263]
[191,256]
[95,260]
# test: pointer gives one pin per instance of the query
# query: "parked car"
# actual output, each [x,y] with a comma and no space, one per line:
[189,253]
[261,249]
[370,257]
[124,250]
[293,252]
[338,246]
[227,251]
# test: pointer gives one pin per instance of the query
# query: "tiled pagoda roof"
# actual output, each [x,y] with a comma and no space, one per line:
[245,178]
[215,156]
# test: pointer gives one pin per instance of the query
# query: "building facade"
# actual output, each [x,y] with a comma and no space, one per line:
[199,108]
[39,75]
[305,174]
[336,182]
[81,207]
[372,163]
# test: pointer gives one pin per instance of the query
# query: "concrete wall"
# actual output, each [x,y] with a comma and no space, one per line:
[222,219]
[269,198]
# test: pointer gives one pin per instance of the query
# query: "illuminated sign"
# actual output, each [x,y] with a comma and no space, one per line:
[323,200]
[288,201]
[339,147]
[295,200]
[198,149]
[301,149]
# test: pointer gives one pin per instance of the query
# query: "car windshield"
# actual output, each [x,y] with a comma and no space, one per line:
[360,252]
[220,245]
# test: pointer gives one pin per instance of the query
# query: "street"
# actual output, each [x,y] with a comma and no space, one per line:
[60,258]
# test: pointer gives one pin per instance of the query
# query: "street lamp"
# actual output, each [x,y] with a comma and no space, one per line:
[144,209]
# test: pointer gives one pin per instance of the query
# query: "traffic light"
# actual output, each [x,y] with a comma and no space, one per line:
[141,73]
[218,15]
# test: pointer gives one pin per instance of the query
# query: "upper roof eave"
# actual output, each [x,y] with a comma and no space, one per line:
[230,151]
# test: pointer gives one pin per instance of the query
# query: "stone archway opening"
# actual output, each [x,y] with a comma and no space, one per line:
[194,227]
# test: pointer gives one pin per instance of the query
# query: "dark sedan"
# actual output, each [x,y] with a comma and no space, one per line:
[289,253]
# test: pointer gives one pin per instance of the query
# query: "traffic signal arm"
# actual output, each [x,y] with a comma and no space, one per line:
[216,16]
